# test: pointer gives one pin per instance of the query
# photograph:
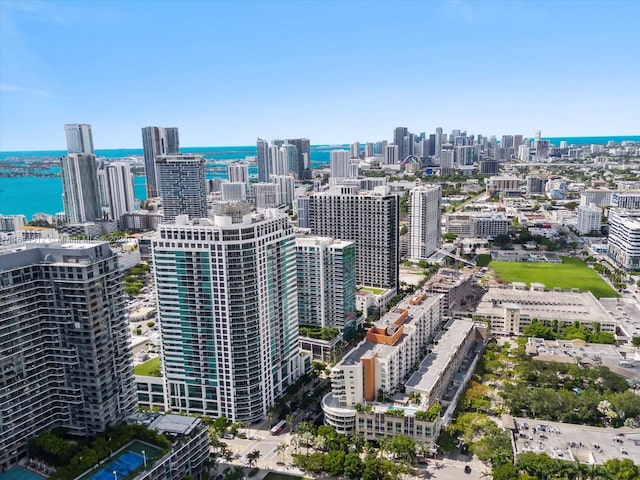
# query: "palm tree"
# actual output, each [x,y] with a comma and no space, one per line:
[252,458]
[281,449]
[357,440]
[227,454]
[383,445]
[271,416]
[290,419]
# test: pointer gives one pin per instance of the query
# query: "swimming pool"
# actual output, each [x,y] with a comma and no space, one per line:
[20,473]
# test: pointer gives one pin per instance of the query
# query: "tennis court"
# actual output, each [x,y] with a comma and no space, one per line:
[120,467]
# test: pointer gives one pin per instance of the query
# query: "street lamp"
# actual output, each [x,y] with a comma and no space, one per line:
[144,458]
[115,475]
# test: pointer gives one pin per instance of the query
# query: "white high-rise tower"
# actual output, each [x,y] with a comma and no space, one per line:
[80,196]
[227,301]
[79,138]
[424,221]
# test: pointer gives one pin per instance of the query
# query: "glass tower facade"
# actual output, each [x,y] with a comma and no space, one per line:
[227,301]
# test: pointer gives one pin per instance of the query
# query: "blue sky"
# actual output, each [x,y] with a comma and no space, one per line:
[226,73]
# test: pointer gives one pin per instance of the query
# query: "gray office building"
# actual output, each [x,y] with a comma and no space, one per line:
[303,167]
[157,141]
[370,219]
[65,357]
[182,185]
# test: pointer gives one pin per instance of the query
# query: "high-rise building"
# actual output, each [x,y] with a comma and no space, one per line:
[326,271]
[517,142]
[446,162]
[439,142]
[536,185]
[303,212]
[157,141]
[524,153]
[369,149]
[424,221]
[79,138]
[399,134]
[182,185]
[238,172]
[371,220]
[391,155]
[465,155]
[65,356]
[624,238]
[265,195]
[286,187]
[302,168]
[339,162]
[80,195]
[354,150]
[228,311]
[507,141]
[264,170]
[589,218]
[116,189]
[283,158]
[489,167]
[233,192]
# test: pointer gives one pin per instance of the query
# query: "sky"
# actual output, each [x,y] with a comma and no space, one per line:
[227,72]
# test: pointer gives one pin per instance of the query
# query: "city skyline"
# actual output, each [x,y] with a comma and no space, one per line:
[458,65]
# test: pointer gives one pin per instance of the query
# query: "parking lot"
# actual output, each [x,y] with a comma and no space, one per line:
[575,442]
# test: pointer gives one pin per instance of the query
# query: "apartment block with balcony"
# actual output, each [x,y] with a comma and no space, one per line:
[65,357]
[624,238]
[227,304]
[380,363]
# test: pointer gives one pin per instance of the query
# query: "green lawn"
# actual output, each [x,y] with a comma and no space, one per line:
[572,273]
[150,368]
[375,291]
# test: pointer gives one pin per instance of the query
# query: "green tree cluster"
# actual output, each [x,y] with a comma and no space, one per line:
[553,330]
[568,393]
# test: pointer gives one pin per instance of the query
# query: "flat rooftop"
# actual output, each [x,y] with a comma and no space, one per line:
[175,425]
[433,365]
[575,442]
[564,305]
[626,312]
[366,349]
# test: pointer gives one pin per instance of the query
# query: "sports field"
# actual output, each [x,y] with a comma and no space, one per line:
[571,273]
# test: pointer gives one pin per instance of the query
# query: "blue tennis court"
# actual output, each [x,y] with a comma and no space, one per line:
[122,466]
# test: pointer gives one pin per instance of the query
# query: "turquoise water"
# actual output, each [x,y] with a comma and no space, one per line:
[19,473]
[600,140]
[32,194]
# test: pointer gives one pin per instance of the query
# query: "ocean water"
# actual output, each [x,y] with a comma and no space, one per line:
[35,192]
[31,194]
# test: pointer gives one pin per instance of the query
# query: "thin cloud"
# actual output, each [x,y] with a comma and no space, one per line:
[57,13]
[6,88]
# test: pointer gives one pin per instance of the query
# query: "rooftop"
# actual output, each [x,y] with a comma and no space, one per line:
[175,425]
[433,365]
[393,320]
[545,304]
